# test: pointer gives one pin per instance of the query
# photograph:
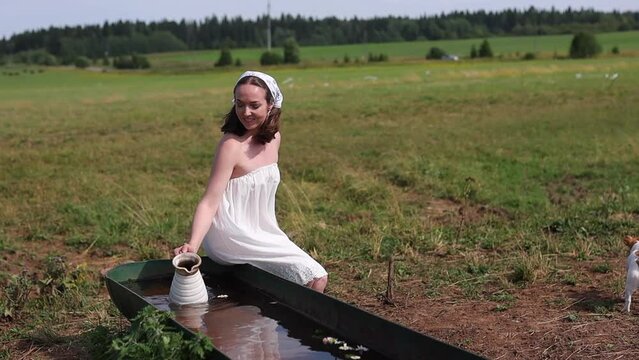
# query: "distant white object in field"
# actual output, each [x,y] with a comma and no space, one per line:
[326,84]
[450,57]
[427,72]
[632,278]
[370,77]
[287,80]
[578,75]
[614,76]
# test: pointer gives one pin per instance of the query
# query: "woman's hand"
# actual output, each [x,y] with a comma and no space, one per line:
[184,249]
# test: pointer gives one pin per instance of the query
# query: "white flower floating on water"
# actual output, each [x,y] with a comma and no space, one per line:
[332,341]
[352,357]
[222,296]
[345,347]
[329,340]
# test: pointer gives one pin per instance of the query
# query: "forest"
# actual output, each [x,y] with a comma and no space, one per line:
[129,37]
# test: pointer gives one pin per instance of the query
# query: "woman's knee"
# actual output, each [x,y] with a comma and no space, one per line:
[318,284]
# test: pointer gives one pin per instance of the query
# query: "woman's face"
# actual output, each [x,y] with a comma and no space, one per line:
[251,106]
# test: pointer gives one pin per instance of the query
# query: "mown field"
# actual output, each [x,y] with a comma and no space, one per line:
[508,47]
[501,189]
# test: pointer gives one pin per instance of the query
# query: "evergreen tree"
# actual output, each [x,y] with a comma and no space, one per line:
[485,50]
[124,37]
[584,45]
[291,51]
[225,58]
[473,52]
[164,41]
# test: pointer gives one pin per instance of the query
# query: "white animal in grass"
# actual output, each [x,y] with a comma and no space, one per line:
[632,279]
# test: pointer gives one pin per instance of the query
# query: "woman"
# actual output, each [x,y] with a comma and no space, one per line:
[235,219]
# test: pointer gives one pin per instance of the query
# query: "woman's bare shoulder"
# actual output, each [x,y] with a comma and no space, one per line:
[229,143]
[229,139]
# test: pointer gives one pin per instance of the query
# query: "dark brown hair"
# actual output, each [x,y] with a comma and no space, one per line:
[269,127]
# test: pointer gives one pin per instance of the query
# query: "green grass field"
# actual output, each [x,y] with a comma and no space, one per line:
[481,177]
[506,47]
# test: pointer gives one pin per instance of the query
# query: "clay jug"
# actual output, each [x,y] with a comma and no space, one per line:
[187,286]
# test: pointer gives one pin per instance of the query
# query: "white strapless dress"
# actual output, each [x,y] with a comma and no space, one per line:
[245,230]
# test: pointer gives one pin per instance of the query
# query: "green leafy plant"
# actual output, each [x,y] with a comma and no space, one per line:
[602,268]
[572,317]
[153,337]
[569,279]
[59,277]
[16,294]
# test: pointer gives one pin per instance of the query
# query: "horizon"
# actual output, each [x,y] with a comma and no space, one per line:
[94,14]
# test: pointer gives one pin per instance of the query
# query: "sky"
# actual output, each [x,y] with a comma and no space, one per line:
[23,15]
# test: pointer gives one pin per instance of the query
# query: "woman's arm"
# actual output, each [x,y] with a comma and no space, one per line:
[223,164]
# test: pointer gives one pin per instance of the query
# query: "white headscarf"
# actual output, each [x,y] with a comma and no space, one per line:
[270,82]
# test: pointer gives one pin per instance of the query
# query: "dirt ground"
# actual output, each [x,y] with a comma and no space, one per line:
[543,321]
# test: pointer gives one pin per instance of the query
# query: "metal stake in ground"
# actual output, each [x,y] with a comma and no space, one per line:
[389,284]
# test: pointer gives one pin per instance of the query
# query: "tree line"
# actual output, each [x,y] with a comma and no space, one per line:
[127,37]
